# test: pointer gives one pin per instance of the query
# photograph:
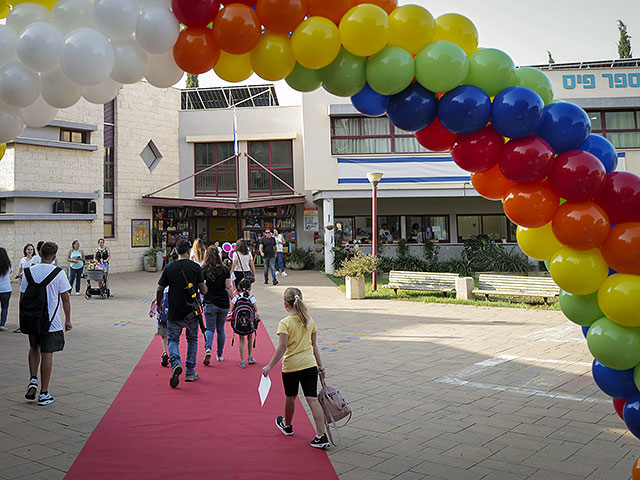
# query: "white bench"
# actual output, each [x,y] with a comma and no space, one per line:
[490,284]
[425,281]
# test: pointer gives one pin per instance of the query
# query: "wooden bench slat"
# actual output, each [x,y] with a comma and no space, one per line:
[425,281]
[516,285]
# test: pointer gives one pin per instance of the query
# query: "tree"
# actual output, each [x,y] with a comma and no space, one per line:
[192,80]
[551,60]
[624,44]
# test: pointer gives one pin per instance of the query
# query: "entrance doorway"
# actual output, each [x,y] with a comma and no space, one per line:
[223,229]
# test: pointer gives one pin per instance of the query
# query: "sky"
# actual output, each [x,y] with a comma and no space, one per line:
[573,30]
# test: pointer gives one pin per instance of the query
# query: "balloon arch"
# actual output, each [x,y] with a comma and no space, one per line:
[557,181]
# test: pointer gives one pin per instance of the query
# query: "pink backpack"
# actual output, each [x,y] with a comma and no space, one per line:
[335,408]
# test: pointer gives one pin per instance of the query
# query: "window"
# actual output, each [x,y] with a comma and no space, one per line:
[3,205]
[434,228]
[277,156]
[74,136]
[343,230]
[151,156]
[388,229]
[73,205]
[497,227]
[364,135]
[620,127]
[109,162]
[218,181]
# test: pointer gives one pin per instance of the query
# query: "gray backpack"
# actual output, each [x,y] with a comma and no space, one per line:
[335,408]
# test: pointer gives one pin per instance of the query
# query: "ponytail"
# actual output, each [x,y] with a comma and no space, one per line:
[293,297]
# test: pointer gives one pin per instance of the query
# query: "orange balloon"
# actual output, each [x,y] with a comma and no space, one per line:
[581,225]
[196,50]
[491,184]
[635,474]
[531,205]
[281,16]
[621,249]
[387,5]
[331,9]
[237,29]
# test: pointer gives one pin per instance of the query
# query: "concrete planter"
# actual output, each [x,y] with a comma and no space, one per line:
[295,265]
[354,287]
[159,260]
[148,264]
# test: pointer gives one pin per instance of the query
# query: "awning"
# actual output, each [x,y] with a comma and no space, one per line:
[223,203]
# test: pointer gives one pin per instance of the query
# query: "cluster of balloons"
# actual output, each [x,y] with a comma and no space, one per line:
[230,248]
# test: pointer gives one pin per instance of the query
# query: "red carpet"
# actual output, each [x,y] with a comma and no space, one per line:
[211,428]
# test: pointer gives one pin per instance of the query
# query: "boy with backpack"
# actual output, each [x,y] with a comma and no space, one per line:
[44,287]
[244,319]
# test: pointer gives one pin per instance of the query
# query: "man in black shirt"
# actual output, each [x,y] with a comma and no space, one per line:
[184,278]
[268,252]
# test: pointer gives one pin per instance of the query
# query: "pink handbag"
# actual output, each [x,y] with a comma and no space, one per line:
[335,408]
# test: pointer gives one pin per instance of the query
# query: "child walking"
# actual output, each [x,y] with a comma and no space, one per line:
[162,329]
[244,296]
[300,366]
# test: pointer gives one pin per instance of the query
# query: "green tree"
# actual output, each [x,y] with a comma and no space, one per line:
[192,80]
[550,59]
[624,44]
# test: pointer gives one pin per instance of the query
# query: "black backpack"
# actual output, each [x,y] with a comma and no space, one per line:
[243,316]
[34,308]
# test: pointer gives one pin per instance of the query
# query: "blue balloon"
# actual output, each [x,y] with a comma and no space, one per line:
[517,112]
[369,102]
[603,149]
[631,414]
[465,109]
[615,383]
[564,126]
[612,271]
[585,330]
[413,109]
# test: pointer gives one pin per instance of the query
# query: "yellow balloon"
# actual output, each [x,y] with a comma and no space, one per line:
[3,148]
[411,27]
[580,272]
[272,59]
[4,8]
[457,29]
[316,42]
[619,299]
[539,243]
[233,68]
[364,30]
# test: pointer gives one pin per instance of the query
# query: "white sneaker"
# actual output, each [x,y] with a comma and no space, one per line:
[3,329]
[277,272]
[77,293]
[284,274]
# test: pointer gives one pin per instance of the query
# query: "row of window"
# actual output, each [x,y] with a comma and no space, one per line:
[417,229]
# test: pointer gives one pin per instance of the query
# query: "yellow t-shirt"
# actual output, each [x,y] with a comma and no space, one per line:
[299,354]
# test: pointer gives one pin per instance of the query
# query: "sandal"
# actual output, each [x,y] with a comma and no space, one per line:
[251,360]
[243,365]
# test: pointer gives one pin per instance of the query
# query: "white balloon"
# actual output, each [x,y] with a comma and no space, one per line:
[157,30]
[8,41]
[86,56]
[19,86]
[68,15]
[116,18]
[130,61]
[38,46]
[59,91]
[25,14]
[102,93]
[144,4]
[39,114]
[162,71]
[11,124]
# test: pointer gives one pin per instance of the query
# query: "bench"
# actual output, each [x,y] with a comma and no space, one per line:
[490,284]
[425,281]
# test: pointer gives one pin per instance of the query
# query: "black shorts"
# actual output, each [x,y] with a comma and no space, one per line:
[48,342]
[308,378]
[239,276]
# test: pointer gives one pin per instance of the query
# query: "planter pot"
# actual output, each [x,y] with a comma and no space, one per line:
[295,266]
[149,266]
[159,260]
[354,287]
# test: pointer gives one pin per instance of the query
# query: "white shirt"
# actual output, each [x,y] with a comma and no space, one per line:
[279,246]
[24,263]
[5,281]
[243,263]
[193,258]
[57,287]
[252,299]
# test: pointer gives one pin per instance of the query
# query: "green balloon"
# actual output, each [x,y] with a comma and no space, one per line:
[346,75]
[391,70]
[490,69]
[537,81]
[304,79]
[613,345]
[580,309]
[441,66]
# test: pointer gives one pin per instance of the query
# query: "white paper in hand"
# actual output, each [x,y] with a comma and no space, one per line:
[263,388]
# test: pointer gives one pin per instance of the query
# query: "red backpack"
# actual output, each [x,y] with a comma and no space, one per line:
[244,320]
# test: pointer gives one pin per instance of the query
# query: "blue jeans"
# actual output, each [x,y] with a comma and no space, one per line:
[280,262]
[4,307]
[175,330]
[75,274]
[270,264]
[215,318]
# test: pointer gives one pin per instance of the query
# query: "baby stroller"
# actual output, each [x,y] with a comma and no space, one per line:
[97,273]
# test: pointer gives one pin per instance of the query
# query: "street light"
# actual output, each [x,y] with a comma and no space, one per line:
[374,178]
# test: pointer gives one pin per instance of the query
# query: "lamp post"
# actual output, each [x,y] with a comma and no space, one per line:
[374,179]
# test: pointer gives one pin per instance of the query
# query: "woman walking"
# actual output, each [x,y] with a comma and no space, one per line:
[76,260]
[242,263]
[103,257]
[5,287]
[216,302]
[30,258]
[198,252]
[300,366]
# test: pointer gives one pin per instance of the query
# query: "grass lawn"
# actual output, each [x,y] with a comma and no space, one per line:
[439,297]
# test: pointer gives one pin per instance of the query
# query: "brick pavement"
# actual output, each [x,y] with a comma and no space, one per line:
[438,391]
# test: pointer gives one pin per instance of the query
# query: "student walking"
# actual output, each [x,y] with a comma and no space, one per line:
[5,287]
[216,302]
[161,320]
[198,252]
[76,260]
[242,263]
[279,252]
[268,252]
[300,366]
[244,300]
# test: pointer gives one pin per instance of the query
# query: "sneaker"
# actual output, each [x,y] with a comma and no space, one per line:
[277,273]
[191,377]
[3,329]
[165,360]
[77,293]
[266,282]
[320,442]
[284,274]
[286,430]
[17,330]
[45,399]
[175,376]
[275,282]
[32,388]
[207,357]
[251,360]
[220,358]
[243,365]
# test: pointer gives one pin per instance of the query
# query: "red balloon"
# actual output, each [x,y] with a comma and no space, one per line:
[491,184]
[581,226]
[577,176]
[531,205]
[620,197]
[618,404]
[248,3]
[334,10]
[195,13]
[195,50]
[436,138]
[237,29]
[621,249]
[281,16]
[387,5]
[527,160]
[479,151]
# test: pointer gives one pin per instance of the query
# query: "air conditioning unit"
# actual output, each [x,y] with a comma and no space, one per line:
[91,207]
[58,206]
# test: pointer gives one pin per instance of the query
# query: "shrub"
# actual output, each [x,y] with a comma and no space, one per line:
[410,263]
[403,248]
[430,251]
[303,256]
[359,265]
